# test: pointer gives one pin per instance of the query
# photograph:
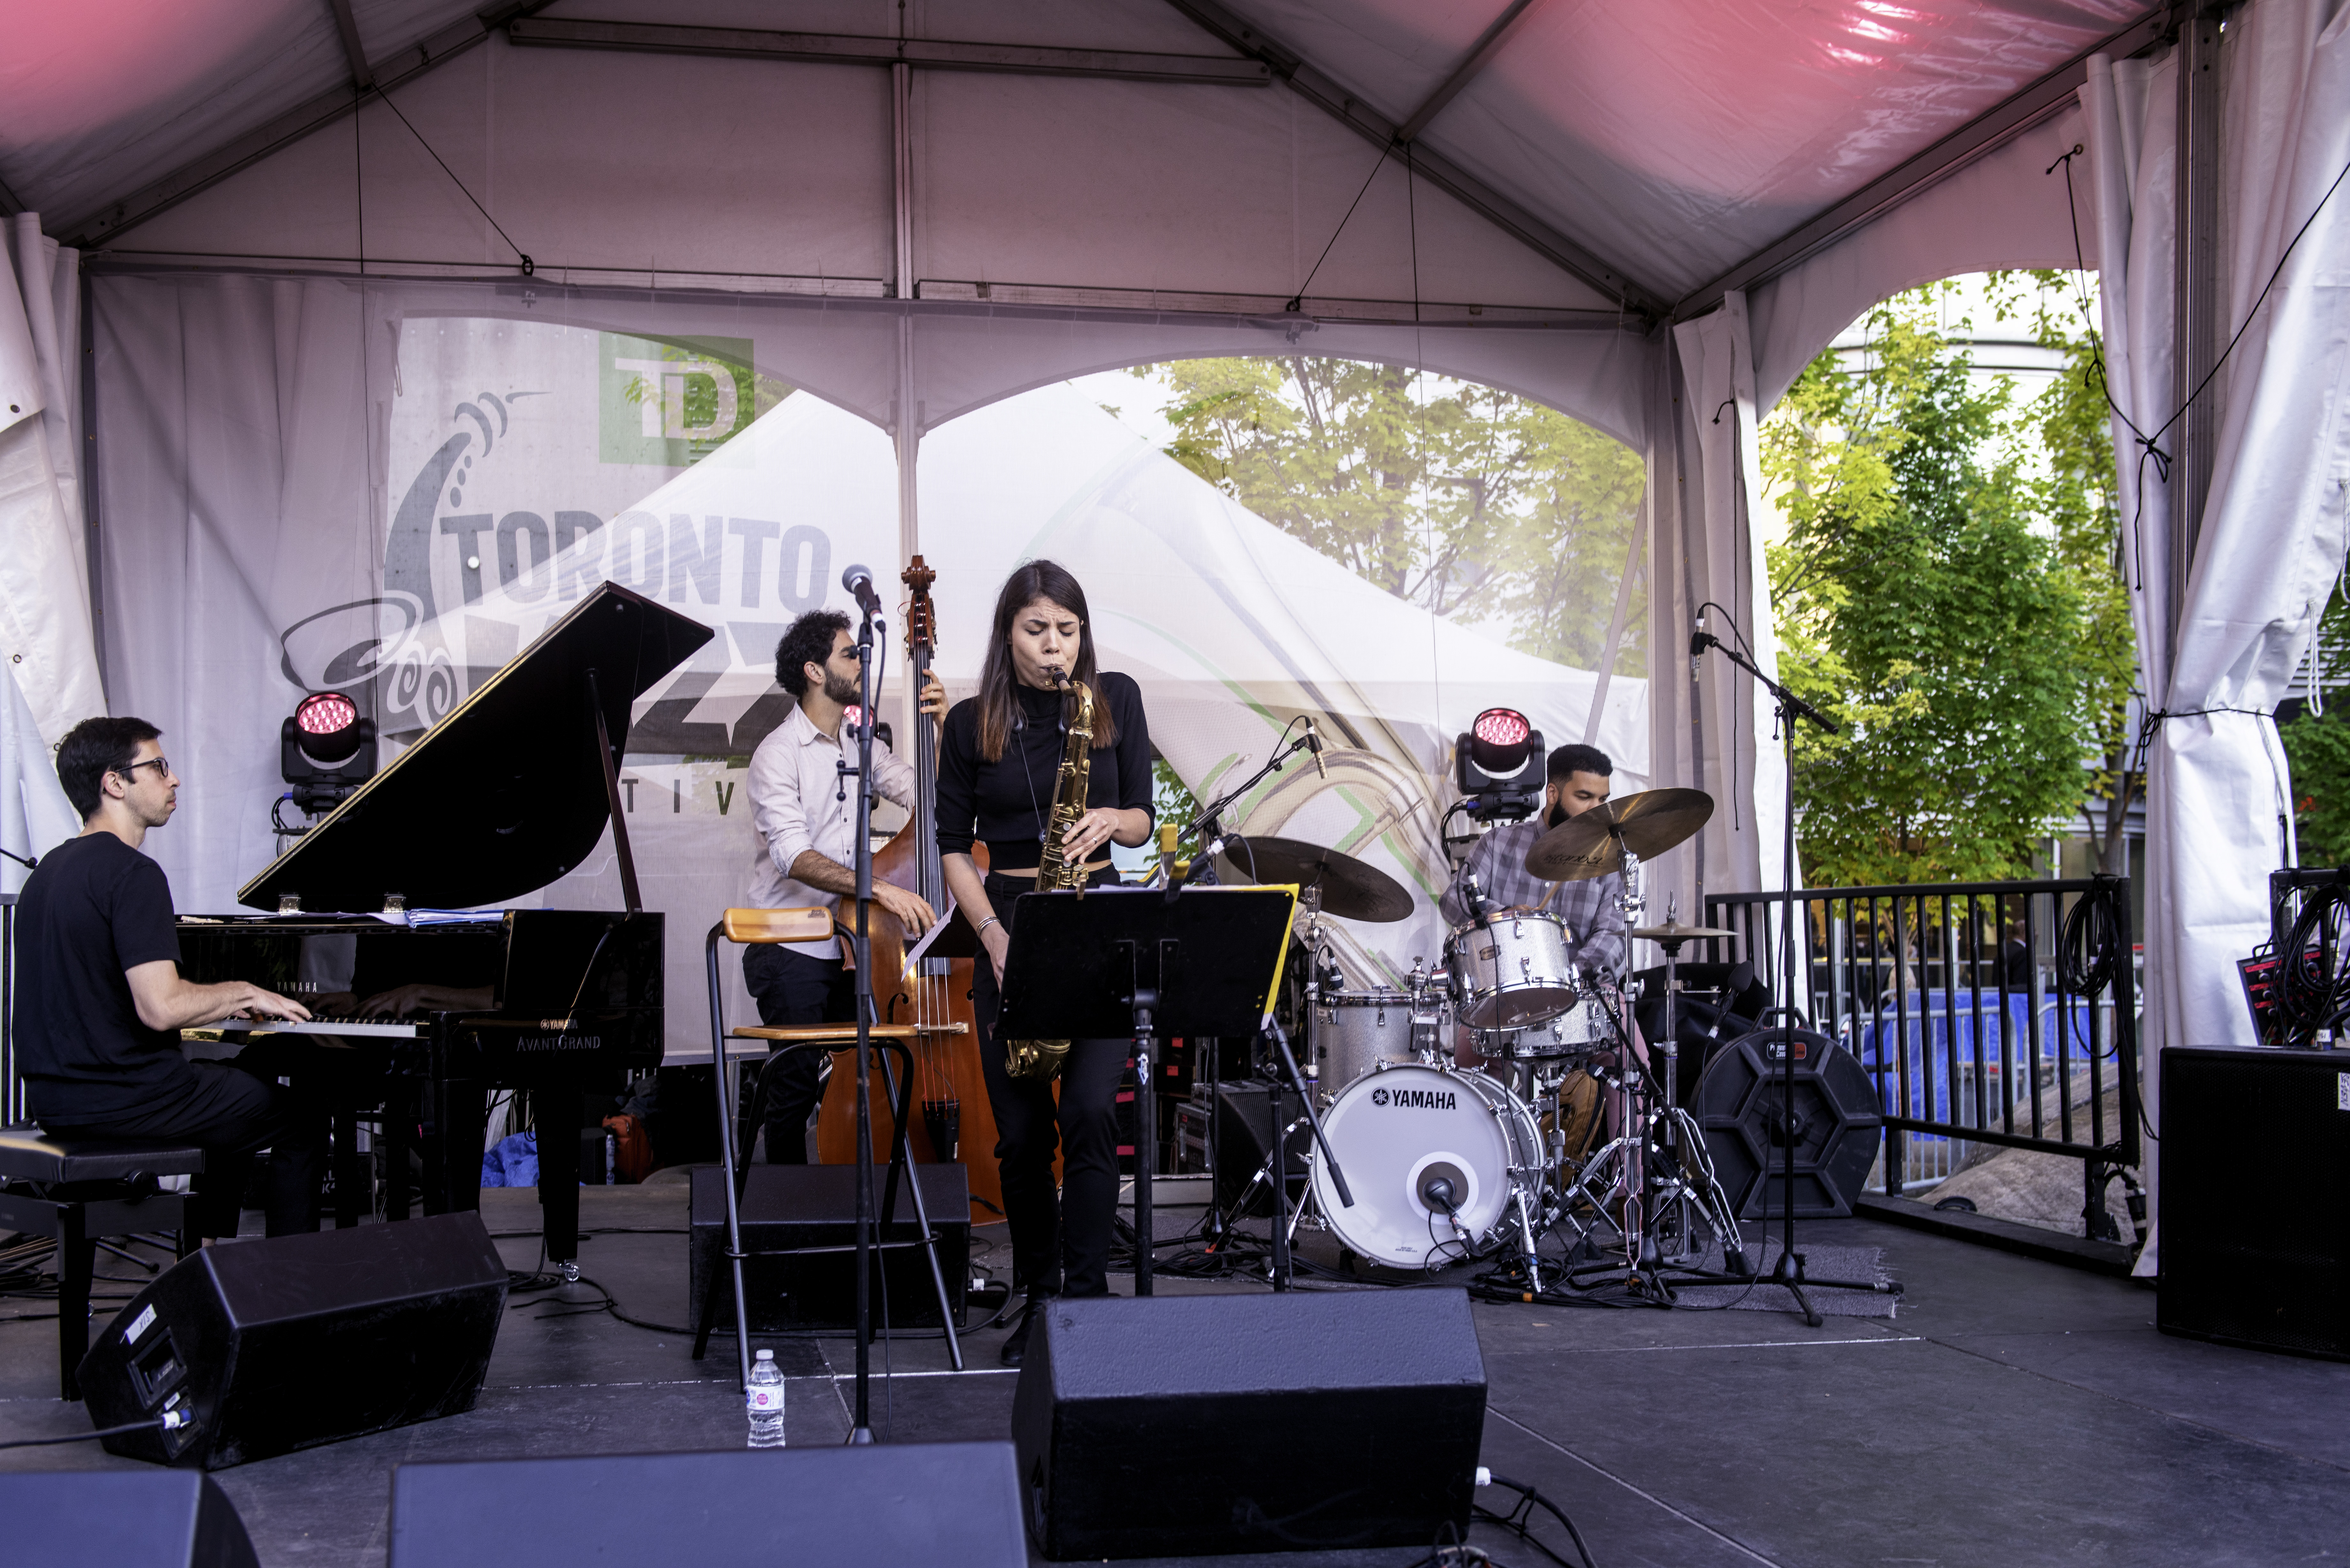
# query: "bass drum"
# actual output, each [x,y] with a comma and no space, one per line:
[1397,1132]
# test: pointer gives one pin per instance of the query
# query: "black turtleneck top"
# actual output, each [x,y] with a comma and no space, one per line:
[1005,803]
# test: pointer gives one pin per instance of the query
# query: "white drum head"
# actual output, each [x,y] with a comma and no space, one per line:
[1393,1131]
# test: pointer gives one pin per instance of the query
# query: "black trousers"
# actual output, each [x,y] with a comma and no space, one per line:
[794,988]
[1060,1241]
[236,1110]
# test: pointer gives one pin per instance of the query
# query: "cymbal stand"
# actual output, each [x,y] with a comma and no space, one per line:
[1282,1268]
[1684,1144]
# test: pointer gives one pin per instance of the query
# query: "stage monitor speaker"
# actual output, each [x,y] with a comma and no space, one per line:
[301,1340]
[1739,1106]
[909,1505]
[1178,1425]
[2255,1236]
[120,1519]
[815,1206]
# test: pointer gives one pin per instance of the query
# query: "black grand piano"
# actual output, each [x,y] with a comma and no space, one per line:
[507,794]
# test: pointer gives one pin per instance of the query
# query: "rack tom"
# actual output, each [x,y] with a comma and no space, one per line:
[1513,969]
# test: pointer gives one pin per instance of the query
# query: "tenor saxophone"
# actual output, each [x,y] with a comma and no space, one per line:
[1055,871]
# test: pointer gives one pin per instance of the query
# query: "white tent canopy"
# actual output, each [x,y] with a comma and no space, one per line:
[1648,217]
[1573,175]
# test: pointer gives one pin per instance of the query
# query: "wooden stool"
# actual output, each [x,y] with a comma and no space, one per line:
[767,926]
[74,1190]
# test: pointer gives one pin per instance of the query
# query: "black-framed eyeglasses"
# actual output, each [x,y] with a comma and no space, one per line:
[161,765]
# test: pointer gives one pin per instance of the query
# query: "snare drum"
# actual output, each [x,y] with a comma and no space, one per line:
[1356,1030]
[1514,970]
[1581,1029]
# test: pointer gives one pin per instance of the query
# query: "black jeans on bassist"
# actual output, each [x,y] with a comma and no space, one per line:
[795,988]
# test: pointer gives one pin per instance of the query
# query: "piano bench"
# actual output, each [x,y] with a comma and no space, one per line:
[76,1190]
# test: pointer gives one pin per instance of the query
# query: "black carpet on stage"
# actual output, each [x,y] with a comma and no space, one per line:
[2016,1412]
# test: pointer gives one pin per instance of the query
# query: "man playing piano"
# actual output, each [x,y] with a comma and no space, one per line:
[100,1000]
[806,825]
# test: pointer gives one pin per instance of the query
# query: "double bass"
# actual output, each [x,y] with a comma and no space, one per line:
[953,1120]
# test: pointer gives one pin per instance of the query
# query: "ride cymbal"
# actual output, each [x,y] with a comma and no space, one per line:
[1646,824]
[1352,889]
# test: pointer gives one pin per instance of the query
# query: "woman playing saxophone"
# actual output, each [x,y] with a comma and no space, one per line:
[1005,758]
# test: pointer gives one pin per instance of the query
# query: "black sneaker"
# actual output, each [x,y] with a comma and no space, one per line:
[1016,1348]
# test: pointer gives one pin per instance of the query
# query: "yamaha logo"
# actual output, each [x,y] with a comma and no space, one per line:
[1379,1096]
[1417,1099]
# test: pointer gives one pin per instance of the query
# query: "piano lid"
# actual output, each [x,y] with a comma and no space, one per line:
[505,794]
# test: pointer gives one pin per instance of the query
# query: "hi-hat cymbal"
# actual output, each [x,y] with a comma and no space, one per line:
[1646,824]
[1352,889]
[1674,931]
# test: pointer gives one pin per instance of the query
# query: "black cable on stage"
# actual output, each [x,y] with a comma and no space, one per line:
[154,1425]
[2313,991]
[1520,1519]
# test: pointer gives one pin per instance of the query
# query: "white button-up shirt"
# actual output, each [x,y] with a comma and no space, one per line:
[793,784]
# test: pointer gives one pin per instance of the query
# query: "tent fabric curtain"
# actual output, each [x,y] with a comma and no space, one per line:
[235,487]
[45,612]
[2273,531]
[2006,208]
[1734,743]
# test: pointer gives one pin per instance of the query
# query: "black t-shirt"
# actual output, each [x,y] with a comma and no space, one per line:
[1006,803]
[93,909]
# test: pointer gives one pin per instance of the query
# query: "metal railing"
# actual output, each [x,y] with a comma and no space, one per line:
[1978,1020]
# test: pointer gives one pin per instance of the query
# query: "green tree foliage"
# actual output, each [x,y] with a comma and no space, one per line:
[1946,591]
[1482,506]
[2317,748]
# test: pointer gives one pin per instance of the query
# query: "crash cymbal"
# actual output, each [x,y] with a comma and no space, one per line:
[1646,824]
[1352,889]
[1674,931]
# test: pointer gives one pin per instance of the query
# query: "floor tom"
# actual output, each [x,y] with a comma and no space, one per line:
[1356,1030]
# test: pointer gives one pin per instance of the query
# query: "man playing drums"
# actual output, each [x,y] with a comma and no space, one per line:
[1495,872]
[1497,866]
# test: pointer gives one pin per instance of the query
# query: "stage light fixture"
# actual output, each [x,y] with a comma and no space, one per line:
[327,749]
[1498,765]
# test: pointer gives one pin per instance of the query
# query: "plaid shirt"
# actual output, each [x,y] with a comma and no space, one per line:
[1587,908]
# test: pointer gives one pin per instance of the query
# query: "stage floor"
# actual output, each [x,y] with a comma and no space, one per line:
[2013,1412]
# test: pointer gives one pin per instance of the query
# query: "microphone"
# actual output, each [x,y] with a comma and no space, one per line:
[1438,1193]
[859,581]
[1700,639]
[1313,744]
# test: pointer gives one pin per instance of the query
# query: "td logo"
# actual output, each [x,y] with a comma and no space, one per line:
[671,402]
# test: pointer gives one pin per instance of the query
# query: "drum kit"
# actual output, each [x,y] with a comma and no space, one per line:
[1443,1154]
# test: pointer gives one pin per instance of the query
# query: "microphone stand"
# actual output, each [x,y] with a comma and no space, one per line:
[867,658]
[1788,1270]
[1209,829]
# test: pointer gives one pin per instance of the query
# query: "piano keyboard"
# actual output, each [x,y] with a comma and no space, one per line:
[375,1027]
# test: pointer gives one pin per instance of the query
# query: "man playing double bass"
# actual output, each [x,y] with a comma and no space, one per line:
[805,812]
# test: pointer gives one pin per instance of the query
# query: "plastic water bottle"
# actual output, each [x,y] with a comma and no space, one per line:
[766,1402]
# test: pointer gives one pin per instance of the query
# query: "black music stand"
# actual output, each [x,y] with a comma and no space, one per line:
[1106,963]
